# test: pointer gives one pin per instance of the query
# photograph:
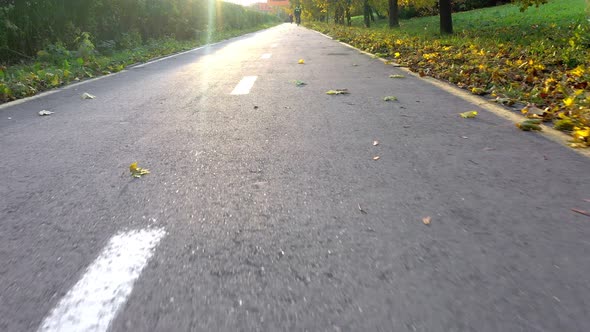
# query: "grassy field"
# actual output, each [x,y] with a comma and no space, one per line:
[539,56]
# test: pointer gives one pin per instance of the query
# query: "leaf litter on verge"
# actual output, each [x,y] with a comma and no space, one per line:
[137,172]
[337,92]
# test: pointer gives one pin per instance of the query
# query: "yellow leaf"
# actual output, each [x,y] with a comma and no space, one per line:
[468,114]
[568,101]
[301,61]
[397,55]
[582,134]
[137,172]
[337,92]
[578,71]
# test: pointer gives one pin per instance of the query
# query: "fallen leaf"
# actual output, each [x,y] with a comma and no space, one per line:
[337,92]
[86,95]
[137,172]
[530,124]
[464,137]
[532,111]
[426,220]
[255,107]
[396,76]
[376,158]
[489,149]
[375,143]
[504,101]
[301,62]
[44,112]
[390,98]
[478,91]
[586,213]
[361,209]
[299,83]
[468,114]
[355,65]
[586,200]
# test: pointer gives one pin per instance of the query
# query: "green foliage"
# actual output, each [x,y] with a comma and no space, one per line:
[27,27]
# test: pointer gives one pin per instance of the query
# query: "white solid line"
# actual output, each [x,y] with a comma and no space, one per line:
[243,88]
[266,56]
[93,302]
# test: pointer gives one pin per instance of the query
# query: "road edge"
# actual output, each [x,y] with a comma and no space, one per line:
[550,133]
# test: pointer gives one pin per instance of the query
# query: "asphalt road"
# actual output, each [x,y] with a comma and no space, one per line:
[260,197]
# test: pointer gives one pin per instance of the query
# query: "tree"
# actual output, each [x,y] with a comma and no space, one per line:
[393,14]
[446,19]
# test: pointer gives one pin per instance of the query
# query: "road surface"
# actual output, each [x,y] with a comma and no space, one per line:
[266,211]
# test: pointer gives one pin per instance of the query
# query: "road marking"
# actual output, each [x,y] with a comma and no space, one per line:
[93,302]
[243,88]
[266,56]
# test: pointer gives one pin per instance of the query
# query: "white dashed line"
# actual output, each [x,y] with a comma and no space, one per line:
[266,56]
[93,302]
[243,88]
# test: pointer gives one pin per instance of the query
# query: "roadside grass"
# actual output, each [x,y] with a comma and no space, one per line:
[58,66]
[540,56]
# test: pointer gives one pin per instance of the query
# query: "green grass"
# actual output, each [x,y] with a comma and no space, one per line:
[483,22]
[539,56]
[50,71]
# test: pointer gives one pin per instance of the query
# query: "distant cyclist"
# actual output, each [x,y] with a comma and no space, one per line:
[298,15]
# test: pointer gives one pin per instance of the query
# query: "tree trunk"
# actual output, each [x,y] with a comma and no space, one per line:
[393,14]
[446,20]
[367,14]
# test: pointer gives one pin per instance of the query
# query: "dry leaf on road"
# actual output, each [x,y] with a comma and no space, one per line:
[337,92]
[530,124]
[301,61]
[390,98]
[426,220]
[397,76]
[361,209]
[86,95]
[468,114]
[375,143]
[137,172]
[376,158]
[44,112]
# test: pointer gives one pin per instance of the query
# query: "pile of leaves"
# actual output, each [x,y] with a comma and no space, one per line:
[553,75]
